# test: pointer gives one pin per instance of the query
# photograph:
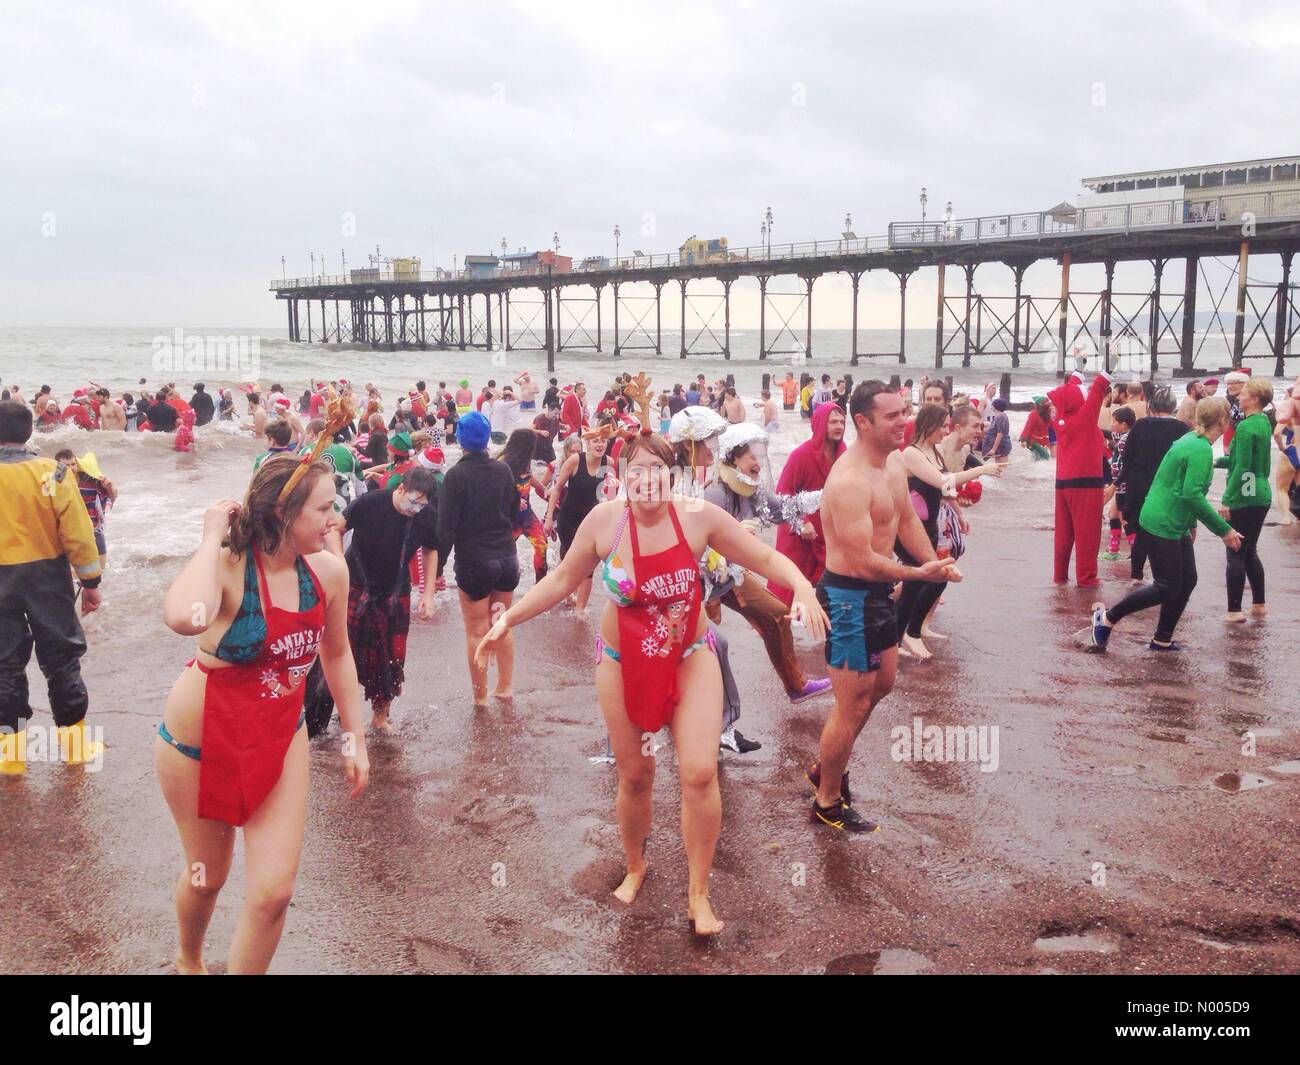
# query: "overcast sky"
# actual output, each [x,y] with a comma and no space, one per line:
[159,159]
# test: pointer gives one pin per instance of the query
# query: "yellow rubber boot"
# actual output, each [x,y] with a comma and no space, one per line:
[13,753]
[75,748]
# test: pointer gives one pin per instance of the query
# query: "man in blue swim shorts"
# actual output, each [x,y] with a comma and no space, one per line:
[865,509]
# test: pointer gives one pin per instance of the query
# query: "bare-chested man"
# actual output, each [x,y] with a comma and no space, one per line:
[864,507]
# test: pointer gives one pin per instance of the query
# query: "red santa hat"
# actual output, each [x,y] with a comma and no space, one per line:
[282,403]
[432,458]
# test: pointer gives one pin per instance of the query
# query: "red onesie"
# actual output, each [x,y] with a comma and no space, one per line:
[1080,451]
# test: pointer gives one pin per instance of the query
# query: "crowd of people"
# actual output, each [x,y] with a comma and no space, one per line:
[300,597]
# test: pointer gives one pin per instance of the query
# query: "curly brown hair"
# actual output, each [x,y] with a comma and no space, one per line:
[263,520]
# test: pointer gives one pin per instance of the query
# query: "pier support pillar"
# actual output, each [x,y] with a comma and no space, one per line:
[1186,354]
[460,317]
[902,276]
[288,305]
[726,318]
[1063,315]
[598,289]
[1282,321]
[762,317]
[615,286]
[550,330]
[1106,315]
[855,276]
[659,321]
[969,268]
[1153,341]
[938,322]
[1018,272]
[1239,328]
[559,328]
[506,326]
[487,319]
[807,345]
[682,282]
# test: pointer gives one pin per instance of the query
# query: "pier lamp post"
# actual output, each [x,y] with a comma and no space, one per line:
[924,200]
[284,276]
[762,239]
[617,233]
[768,219]
[555,238]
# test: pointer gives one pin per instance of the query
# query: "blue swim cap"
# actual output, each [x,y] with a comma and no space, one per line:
[473,432]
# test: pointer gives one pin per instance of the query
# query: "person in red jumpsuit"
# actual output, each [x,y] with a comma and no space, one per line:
[1080,452]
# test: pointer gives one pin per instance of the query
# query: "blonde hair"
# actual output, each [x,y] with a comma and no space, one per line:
[1210,412]
[1259,388]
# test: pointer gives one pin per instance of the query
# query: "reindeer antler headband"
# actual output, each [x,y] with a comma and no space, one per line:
[338,414]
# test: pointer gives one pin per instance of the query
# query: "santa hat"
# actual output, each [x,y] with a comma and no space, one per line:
[79,393]
[282,403]
[432,458]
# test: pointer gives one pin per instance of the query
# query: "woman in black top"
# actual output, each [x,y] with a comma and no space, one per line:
[477,507]
[1144,449]
[928,481]
[575,492]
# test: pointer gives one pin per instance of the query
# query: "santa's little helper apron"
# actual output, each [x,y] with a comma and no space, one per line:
[657,627]
[252,710]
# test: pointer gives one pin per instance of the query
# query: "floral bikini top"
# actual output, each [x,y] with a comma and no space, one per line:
[618,585]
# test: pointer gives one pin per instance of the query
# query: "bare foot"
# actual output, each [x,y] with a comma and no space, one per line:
[1259,610]
[507,695]
[930,634]
[626,892]
[480,700]
[1236,617]
[914,645]
[379,721]
[190,968]
[699,911]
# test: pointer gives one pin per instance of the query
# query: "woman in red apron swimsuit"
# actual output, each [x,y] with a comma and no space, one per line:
[656,674]
[251,711]
[243,701]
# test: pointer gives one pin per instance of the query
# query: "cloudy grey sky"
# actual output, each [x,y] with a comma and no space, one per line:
[159,158]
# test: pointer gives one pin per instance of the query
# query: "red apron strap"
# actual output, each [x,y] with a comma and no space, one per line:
[262,589]
[631,524]
[672,513]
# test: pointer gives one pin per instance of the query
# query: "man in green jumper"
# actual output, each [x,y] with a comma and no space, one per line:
[1247,497]
[1175,503]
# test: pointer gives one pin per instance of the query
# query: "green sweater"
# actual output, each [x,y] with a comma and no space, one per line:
[1248,462]
[1177,497]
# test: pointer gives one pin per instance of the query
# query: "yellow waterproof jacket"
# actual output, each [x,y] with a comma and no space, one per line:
[42,516]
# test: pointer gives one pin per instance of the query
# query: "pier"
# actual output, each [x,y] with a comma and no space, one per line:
[555,311]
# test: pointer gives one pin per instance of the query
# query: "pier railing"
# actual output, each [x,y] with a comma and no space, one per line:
[773,253]
[1227,209]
